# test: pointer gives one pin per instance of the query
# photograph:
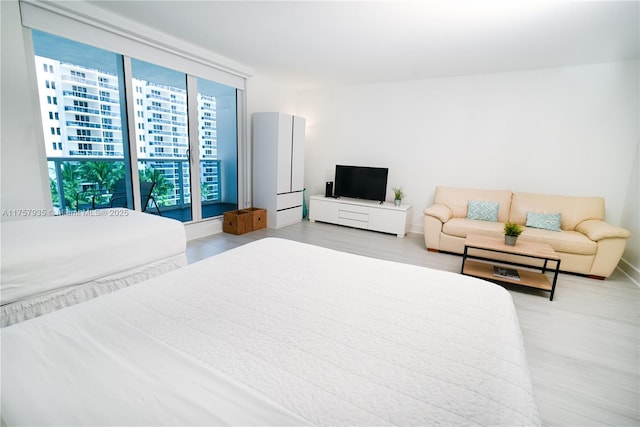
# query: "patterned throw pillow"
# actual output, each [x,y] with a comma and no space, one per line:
[484,211]
[544,221]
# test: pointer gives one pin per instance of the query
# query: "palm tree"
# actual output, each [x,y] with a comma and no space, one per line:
[104,174]
[162,188]
[53,187]
[205,191]
[70,184]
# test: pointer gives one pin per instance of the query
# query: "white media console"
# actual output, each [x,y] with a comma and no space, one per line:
[365,214]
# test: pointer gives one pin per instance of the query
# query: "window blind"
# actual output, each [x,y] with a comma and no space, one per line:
[88,24]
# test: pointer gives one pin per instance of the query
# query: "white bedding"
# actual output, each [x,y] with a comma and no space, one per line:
[49,262]
[275,333]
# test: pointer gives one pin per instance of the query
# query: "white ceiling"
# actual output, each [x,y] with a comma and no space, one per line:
[308,44]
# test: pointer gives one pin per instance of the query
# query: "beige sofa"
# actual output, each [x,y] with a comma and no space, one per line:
[586,244]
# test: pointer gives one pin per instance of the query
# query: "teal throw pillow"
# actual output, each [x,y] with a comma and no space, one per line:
[544,221]
[484,211]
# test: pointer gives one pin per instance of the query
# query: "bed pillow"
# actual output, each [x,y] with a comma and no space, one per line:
[544,221]
[482,210]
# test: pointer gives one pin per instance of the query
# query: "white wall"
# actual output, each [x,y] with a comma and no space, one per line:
[24,176]
[568,131]
[631,221]
[264,95]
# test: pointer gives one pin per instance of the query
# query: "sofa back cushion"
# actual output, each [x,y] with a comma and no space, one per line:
[573,210]
[457,199]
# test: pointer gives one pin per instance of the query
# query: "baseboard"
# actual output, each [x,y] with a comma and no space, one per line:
[206,228]
[630,271]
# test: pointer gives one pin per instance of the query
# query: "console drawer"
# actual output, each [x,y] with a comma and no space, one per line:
[354,208]
[355,216]
[353,223]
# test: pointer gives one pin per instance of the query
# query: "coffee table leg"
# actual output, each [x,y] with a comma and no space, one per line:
[555,279]
[464,258]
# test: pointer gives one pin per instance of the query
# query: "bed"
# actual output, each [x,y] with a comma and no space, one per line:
[52,262]
[276,332]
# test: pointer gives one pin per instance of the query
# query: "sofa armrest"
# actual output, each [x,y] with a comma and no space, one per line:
[440,212]
[596,230]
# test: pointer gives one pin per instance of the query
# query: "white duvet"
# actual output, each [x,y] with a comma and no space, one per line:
[275,333]
[40,255]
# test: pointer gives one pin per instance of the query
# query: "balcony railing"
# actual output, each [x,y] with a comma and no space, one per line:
[109,113]
[166,110]
[86,153]
[107,86]
[83,124]
[166,132]
[77,94]
[84,138]
[85,110]
[113,153]
[77,79]
[175,171]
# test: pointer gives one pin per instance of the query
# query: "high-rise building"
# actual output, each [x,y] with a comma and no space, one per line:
[81,120]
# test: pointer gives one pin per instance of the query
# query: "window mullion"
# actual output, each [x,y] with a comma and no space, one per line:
[130,152]
[194,147]
[245,190]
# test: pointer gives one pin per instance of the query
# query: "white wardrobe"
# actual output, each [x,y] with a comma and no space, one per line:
[278,167]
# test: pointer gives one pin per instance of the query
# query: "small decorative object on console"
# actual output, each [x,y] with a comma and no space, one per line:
[398,195]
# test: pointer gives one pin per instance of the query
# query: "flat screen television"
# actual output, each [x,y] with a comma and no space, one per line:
[361,182]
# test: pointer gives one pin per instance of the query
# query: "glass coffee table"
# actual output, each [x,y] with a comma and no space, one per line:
[495,269]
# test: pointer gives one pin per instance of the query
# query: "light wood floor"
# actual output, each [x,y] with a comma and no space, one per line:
[582,348]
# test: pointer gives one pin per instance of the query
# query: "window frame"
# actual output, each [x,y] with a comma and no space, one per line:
[87,24]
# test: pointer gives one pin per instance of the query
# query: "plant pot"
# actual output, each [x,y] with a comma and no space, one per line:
[510,240]
[397,202]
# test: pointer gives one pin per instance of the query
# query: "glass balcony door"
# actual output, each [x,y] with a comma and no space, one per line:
[162,137]
[170,145]
[82,108]
[217,147]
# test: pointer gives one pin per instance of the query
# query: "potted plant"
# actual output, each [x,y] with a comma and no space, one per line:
[398,195]
[511,233]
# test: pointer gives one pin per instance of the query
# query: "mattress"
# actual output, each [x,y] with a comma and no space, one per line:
[275,332]
[51,262]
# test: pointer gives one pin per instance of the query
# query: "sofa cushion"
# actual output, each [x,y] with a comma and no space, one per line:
[483,210]
[457,199]
[460,227]
[573,210]
[563,241]
[544,221]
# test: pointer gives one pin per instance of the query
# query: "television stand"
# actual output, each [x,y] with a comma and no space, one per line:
[366,214]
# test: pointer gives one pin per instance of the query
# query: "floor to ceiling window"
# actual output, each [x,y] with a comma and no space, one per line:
[88,139]
[80,103]
[162,138]
[217,137]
